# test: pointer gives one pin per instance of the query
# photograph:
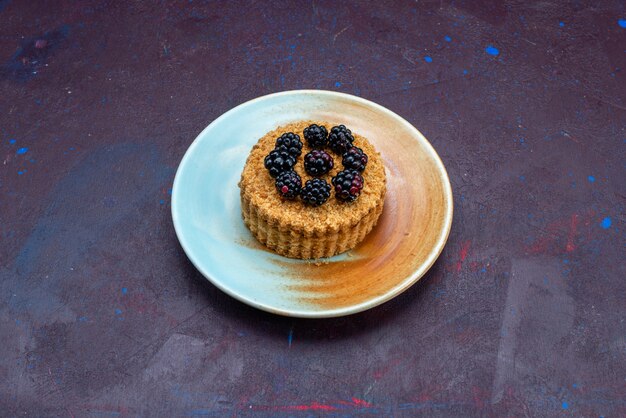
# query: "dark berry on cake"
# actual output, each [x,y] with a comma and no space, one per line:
[279,160]
[348,185]
[318,162]
[288,184]
[340,139]
[316,136]
[354,159]
[291,142]
[315,192]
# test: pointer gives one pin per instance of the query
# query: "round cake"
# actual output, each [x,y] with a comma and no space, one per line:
[291,225]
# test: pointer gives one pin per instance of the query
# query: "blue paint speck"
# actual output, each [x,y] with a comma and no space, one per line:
[561,24]
[124,290]
[118,312]
[162,201]
[591,179]
[564,405]
[492,50]
[337,84]
[12,141]
[290,337]
[83,319]
[464,71]
[606,223]
[447,39]
[574,385]
[23,150]
[622,23]
[427,58]
[522,178]
[169,191]
[21,172]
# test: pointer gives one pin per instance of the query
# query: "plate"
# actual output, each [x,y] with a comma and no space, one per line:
[409,237]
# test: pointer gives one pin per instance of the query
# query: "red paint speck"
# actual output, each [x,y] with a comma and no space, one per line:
[284,189]
[462,255]
[312,407]
[361,403]
[316,406]
[561,234]
[572,234]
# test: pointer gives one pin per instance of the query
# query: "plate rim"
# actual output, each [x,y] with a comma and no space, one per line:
[409,281]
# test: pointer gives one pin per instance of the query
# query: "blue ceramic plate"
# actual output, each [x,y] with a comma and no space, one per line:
[409,237]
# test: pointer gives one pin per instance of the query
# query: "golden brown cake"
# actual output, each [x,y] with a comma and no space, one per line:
[294,229]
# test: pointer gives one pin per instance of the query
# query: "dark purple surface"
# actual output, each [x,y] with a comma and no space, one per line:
[101,313]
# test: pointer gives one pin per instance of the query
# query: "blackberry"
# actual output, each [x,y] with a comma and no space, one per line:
[354,159]
[317,162]
[348,185]
[279,160]
[288,184]
[291,142]
[315,192]
[340,139]
[316,136]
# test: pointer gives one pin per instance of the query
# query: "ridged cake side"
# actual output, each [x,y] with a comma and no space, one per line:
[294,243]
